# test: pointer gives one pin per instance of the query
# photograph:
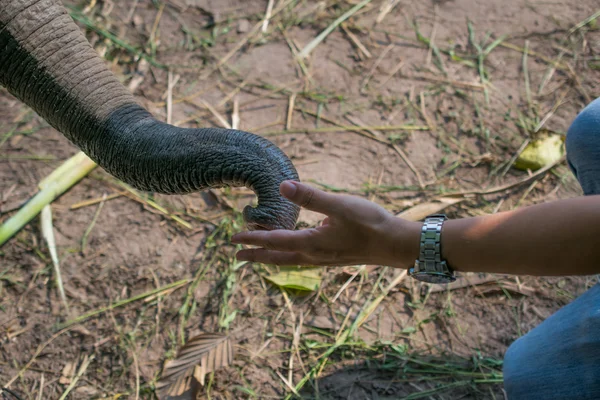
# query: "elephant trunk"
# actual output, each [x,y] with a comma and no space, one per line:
[46,62]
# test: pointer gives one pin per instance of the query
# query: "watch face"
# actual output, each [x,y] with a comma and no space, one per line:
[433,277]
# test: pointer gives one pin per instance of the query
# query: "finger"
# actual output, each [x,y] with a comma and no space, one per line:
[265,256]
[311,198]
[281,240]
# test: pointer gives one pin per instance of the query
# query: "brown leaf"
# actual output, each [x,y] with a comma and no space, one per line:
[201,355]
[67,373]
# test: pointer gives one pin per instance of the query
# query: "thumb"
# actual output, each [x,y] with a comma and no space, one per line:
[310,198]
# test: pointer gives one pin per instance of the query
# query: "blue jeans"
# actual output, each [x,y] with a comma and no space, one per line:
[560,358]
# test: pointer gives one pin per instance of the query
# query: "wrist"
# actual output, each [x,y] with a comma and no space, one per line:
[403,242]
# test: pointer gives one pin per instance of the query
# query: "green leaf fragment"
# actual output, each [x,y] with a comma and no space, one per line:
[297,278]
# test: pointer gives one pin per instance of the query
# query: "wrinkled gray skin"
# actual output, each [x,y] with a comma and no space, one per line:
[47,63]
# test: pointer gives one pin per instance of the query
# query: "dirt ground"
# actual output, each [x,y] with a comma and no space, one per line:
[444,112]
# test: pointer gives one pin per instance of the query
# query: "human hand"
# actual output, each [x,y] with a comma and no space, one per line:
[355,231]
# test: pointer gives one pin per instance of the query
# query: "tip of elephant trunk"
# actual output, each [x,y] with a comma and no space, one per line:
[283,215]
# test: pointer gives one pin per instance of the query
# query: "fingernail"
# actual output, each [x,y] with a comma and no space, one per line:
[234,239]
[288,189]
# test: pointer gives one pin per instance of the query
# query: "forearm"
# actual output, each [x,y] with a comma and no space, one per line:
[557,238]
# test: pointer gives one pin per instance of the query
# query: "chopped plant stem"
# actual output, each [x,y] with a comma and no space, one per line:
[61,180]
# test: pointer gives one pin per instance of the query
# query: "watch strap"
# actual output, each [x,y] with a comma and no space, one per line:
[430,252]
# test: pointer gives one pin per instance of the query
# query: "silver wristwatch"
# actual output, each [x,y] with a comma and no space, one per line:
[430,267]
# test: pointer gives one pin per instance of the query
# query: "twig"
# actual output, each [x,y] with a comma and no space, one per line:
[410,164]
[526,74]
[582,90]
[395,70]
[369,307]
[356,121]
[466,85]
[265,24]
[188,97]
[152,37]
[559,102]
[432,37]
[549,74]
[136,196]
[243,41]
[288,384]
[316,41]
[35,355]
[92,202]
[213,111]
[137,374]
[121,303]
[514,158]
[498,189]
[357,129]
[84,366]
[91,226]
[41,392]
[583,23]
[345,285]
[294,50]
[534,54]
[290,112]
[235,115]
[170,97]
[356,41]
[367,78]
[529,189]
[464,282]
[232,94]
[88,23]
[131,11]
[429,121]
[371,129]
[386,8]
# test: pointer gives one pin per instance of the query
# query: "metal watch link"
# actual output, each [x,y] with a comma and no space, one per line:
[430,267]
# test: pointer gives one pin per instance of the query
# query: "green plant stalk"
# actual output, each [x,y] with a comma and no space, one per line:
[52,187]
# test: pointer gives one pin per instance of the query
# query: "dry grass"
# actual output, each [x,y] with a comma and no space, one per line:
[367,330]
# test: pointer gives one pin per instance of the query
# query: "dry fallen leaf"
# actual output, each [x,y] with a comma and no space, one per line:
[201,355]
[67,373]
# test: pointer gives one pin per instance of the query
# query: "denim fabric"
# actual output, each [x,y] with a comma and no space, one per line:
[560,358]
[583,148]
